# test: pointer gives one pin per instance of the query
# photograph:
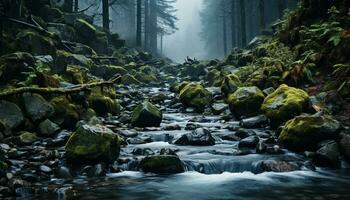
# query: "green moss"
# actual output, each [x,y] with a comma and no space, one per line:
[65,112]
[107,71]
[92,144]
[35,43]
[230,84]
[146,78]
[180,86]
[146,115]
[27,138]
[196,96]
[130,80]
[284,104]
[3,166]
[104,105]
[246,101]
[305,132]
[87,114]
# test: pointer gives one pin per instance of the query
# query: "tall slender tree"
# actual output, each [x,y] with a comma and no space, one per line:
[233,24]
[243,23]
[138,23]
[146,24]
[105,14]
[262,14]
[153,27]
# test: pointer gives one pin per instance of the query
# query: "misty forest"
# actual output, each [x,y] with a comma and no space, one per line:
[174,99]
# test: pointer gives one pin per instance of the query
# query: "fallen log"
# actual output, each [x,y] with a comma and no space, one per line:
[59,91]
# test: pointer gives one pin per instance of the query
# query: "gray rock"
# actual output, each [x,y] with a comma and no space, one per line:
[254,122]
[10,116]
[45,169]
[199,137]
[37,107]
[63,172]
[249,142]
[218,108]
[345,145]
[328,155]
[48,128]
[274,166]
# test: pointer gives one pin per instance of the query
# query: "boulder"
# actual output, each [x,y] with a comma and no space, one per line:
[303,133]
[104,105]
[284,104]
[30,41]
[328,155]
[345,145]
[92,144]
[107,71]
[63,59]
[274,166]
[13,65]
[254,122]
[246,101]
[48,128]
[196,96]
[249,142]
[36,107]
[10,116]
[146,115]
[66,113]
[162,164]
[26,138]
[230,84]
[199,137]
[86,30]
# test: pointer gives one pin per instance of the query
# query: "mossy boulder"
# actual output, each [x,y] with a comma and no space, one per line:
[179,86]
[26,138]
[129,80]
[162,164]
[246,101]
[146,78]
[214,78]
[86,30]
[146,115]
[13,65]
[304,133]
[63,59]
[35,43]
[92,144]
[104,105]
[284,104]
[107,71]
[66,113]
[196,96]
[230,84]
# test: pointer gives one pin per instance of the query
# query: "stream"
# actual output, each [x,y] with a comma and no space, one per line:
[221,171]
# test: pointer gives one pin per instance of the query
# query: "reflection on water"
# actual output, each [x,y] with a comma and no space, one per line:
[194,185]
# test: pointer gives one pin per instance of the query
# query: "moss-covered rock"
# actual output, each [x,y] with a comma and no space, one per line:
[146,78]
[92,144]
[107,71]
[214,78]
[179,86]
[26,138]
[284,104]
[230,84]
[86,30]
[163,164]
[146,115]
[13,65]
[305,132]
[196,96]
[35,43]
[104,105]
[63,59]
[66,113]
[129,80]
[246,101]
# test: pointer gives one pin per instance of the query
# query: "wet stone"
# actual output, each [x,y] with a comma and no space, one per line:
[198,137]
[249,142]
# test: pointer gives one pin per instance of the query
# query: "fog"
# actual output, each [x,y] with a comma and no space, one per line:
[185,41]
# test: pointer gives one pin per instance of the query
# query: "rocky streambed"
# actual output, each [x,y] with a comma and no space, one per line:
[208,155]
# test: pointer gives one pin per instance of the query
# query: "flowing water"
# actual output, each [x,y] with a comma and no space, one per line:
[212,172]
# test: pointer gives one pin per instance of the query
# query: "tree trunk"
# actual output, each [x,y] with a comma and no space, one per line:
[233,23]
[138,24]
[76,5]
[224,31]
[68,6]
[243,23]
[262,14]
[153,27]
[105,14]
[146,25]
[282,5]
[161,43]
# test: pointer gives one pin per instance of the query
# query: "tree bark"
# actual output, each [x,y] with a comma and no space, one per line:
[105,14]
[146,25]
[224,31]
[76,5]
[243,23]
[153,27]
[68,6]
[233,23]
[138,24]
[262,14]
